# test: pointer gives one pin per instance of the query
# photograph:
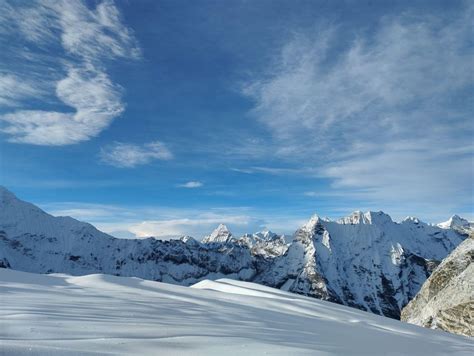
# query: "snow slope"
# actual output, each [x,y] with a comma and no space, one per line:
[103,314]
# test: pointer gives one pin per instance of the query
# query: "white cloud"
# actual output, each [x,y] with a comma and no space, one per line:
[87,37]
[127,155]
[93,34]
[242,170]
[165,222]
[14,89]
[379,115]
[196,226]
[90,92]
[277,171]
[191,184]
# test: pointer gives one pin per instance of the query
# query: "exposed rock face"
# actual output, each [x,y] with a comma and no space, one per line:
[446,299]
[365,261]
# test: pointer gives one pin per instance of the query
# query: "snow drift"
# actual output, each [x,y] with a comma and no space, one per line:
[103,314]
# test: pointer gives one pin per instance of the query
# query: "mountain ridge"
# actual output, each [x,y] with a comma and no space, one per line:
[446,299]
[367,261]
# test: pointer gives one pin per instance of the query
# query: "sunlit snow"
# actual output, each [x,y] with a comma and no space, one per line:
[61,314]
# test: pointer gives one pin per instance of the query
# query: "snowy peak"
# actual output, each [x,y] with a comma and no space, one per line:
[369,218]
[378,217]
[357,217]
[454,221]
[9,201]
[264,243]
[18,218]
[190,241]
[266,235]
[220,235]
[411,220]
[310,226]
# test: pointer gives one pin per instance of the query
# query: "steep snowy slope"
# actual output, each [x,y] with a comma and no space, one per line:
[446,300]
[365,260]
[220,235]
[33,241]
[101,314]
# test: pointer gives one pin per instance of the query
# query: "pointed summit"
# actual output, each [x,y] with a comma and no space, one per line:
[411,219]
[454,221]
[357,217]
[370,218]
[311,224]
[266,235]
[220,235]
[378,217]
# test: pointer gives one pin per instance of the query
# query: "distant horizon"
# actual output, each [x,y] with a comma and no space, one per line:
[210,227]
[162,117]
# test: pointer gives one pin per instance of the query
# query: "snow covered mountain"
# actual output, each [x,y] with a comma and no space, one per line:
[446,300]
[365,261]
[457,223]
[102,314]
[220,235]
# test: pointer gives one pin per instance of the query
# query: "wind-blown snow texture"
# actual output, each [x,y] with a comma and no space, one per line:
[103,314]
[365,260]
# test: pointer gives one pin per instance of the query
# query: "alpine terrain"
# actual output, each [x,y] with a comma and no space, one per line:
[365,260]
[446,300]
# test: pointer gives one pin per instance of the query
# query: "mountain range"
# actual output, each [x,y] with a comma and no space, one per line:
[365,260]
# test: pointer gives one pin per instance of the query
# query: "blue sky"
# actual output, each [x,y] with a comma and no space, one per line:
[169,117]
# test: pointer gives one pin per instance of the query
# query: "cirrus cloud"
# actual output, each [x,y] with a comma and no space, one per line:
[127,155]
[86,38]
[385,114]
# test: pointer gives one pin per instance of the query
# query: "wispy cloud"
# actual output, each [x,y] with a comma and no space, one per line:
[127,155]
[275,170]
[87,37]
[90,92]
[200,225]
[165,222]
[14,89]
[191,184]
[94,34]
[380,114]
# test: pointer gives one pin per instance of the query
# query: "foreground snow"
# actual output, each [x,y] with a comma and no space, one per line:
[60,314]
